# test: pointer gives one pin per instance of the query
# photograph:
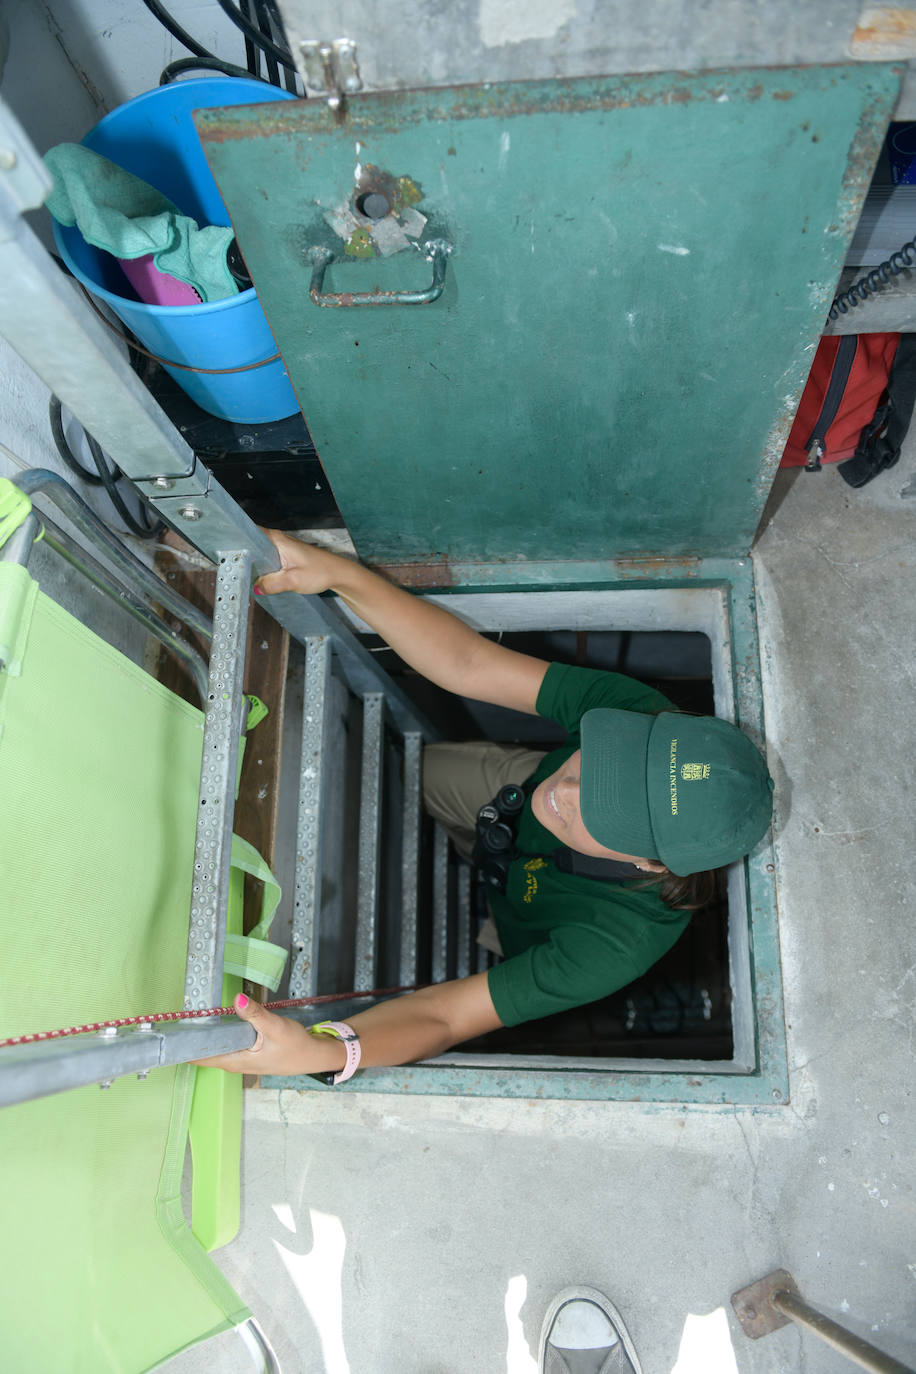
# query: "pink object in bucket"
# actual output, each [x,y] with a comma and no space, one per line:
[155,287]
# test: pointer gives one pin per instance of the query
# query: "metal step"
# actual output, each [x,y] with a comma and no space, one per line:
[439,971]
[410,855]
[370,830]
[381,898]
[312,779]
[463,922]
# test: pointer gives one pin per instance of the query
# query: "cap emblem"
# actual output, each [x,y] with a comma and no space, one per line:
[694,772]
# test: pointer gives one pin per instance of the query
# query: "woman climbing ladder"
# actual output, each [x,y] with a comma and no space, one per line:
[613,847]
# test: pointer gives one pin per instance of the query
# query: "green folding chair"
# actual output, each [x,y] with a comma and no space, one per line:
[99,775]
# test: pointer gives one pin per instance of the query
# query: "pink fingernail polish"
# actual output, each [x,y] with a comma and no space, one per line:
[241,1001]
[258,592]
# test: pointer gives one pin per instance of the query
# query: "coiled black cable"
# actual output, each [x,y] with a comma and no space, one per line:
[872,282]
[267,45]
[175,29]
[251,52]
[263,18]
[270,22]
[210,64]
[103,475]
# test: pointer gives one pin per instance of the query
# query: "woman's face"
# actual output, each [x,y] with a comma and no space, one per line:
[555,803]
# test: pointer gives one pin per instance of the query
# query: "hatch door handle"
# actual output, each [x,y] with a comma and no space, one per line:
[437,252]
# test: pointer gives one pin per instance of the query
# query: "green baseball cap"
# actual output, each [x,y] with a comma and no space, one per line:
[692,792]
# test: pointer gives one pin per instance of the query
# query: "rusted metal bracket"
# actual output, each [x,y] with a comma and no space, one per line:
[331,69]
[775,1300]
[437,251]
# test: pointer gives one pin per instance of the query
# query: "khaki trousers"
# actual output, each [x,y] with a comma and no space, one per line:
[460,778]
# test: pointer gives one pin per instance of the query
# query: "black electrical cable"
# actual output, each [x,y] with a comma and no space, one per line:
[60,442]
[263,17]
[144,528]
[251,52]
[103,476]
[209,61]
[273,9]
[210,64]
[290,80]
[271,24]
[175,29]
[872,282]
[267,45]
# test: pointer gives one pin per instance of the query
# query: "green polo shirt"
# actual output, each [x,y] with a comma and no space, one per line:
[569,940]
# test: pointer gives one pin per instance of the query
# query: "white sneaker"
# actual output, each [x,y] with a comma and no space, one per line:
[583,1333]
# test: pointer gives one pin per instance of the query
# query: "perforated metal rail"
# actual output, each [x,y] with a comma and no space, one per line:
[333,659]
[154,1017]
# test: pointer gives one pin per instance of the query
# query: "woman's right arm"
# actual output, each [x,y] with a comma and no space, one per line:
[400,1031]
[433,641]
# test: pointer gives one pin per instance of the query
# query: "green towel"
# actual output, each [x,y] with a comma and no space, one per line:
[116,211]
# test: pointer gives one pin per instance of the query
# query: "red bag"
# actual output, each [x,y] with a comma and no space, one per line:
[844,390]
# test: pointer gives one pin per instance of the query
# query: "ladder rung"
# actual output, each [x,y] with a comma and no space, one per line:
[410,855]
[370,827]
[439,969]
[303,977]
[464,921]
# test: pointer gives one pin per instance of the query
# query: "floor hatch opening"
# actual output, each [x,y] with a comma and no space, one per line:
[691,1026]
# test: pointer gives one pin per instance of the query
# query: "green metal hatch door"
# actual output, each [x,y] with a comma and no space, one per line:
[628,278]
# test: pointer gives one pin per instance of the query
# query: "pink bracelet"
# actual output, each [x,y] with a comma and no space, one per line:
[341,1031]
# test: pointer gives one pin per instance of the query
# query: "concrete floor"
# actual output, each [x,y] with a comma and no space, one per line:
[394,1235]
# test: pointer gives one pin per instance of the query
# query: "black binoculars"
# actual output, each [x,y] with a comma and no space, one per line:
[494,837]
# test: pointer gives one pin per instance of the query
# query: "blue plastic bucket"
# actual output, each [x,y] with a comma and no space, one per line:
[154,137]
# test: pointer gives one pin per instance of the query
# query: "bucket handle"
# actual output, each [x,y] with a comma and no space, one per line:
[437,252]
[182,367]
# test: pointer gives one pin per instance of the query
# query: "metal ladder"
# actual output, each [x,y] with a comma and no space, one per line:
[51,326]
[402,861]
[338,671]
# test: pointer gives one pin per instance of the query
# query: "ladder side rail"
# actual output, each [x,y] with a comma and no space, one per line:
[463,920]
[370,835]
[410,854]
[38,1070]
[303,978]
[440,905]
[223,719]
[46,1067]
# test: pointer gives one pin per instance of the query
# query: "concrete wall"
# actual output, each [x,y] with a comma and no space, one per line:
[114,49]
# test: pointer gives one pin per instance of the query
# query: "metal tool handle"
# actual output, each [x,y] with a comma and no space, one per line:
[437,252]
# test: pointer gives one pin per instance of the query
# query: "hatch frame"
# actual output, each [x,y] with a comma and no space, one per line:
[717,597]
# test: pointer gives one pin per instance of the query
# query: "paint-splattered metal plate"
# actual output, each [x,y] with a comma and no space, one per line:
[607,361]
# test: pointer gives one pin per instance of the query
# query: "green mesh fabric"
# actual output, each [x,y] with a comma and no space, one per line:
[99,770]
